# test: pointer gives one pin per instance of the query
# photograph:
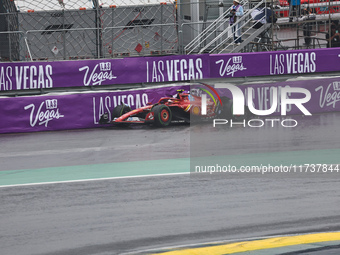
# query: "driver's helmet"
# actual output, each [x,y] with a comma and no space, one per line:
[179,91]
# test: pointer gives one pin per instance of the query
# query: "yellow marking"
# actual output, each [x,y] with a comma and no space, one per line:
[187,108]
[269,243]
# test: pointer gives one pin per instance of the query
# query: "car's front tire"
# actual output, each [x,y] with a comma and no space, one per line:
[120,110]
[162,115]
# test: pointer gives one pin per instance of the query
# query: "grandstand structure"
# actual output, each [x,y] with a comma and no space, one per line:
[48,30]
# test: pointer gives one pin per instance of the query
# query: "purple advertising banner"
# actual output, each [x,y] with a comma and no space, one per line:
[274,63]
[83,73]
[325,95]
[71,111]
[83,110]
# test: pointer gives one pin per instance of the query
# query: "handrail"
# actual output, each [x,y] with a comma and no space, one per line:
[244,17]
[189,48]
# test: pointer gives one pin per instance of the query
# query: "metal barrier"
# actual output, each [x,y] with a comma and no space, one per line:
[145,30]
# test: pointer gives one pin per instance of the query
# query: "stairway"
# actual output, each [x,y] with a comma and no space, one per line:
[248,37]
[215,40]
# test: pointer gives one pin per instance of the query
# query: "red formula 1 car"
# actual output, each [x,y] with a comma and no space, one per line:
[181,107]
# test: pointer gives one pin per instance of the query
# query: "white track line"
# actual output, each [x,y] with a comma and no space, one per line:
[91,180]
[65,151]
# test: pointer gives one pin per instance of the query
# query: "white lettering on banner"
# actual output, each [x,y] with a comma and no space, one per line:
[97,77]
[106,104]
[44,117]
[231,68]
[330,97]
[269,99]
[292,63]
[5,78]
[26,77]
[266,97]
[277,64]
[176,70]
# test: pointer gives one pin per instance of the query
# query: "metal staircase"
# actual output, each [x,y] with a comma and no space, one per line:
[211,41]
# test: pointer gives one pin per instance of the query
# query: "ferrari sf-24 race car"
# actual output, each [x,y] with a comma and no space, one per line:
[182,107]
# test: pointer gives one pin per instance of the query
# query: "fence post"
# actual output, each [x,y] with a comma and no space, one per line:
[64,34]
[28,48]
[98,29]
[161,29]
[180,27]
[9,38]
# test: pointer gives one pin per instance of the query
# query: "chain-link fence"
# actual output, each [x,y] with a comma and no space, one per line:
[139,30]
[87,29]
[54,32]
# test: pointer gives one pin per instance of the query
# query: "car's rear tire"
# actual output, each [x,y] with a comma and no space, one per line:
[162,115]
[226,111]
[120,110]
[247,115]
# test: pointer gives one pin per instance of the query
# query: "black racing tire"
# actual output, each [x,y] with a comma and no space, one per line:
[224,111]
[247,115]
[162,115]
[120,110]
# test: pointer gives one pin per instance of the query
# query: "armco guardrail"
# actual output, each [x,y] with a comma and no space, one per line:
[88,73]
[83,110]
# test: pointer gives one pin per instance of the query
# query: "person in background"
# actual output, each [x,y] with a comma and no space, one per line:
[294,10]
[263,15]
[333,37]
[289,11]
[236,12]
[335,22]
[307,27]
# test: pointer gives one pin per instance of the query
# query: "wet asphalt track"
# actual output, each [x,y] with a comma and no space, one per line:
[117,216]
[93,146]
